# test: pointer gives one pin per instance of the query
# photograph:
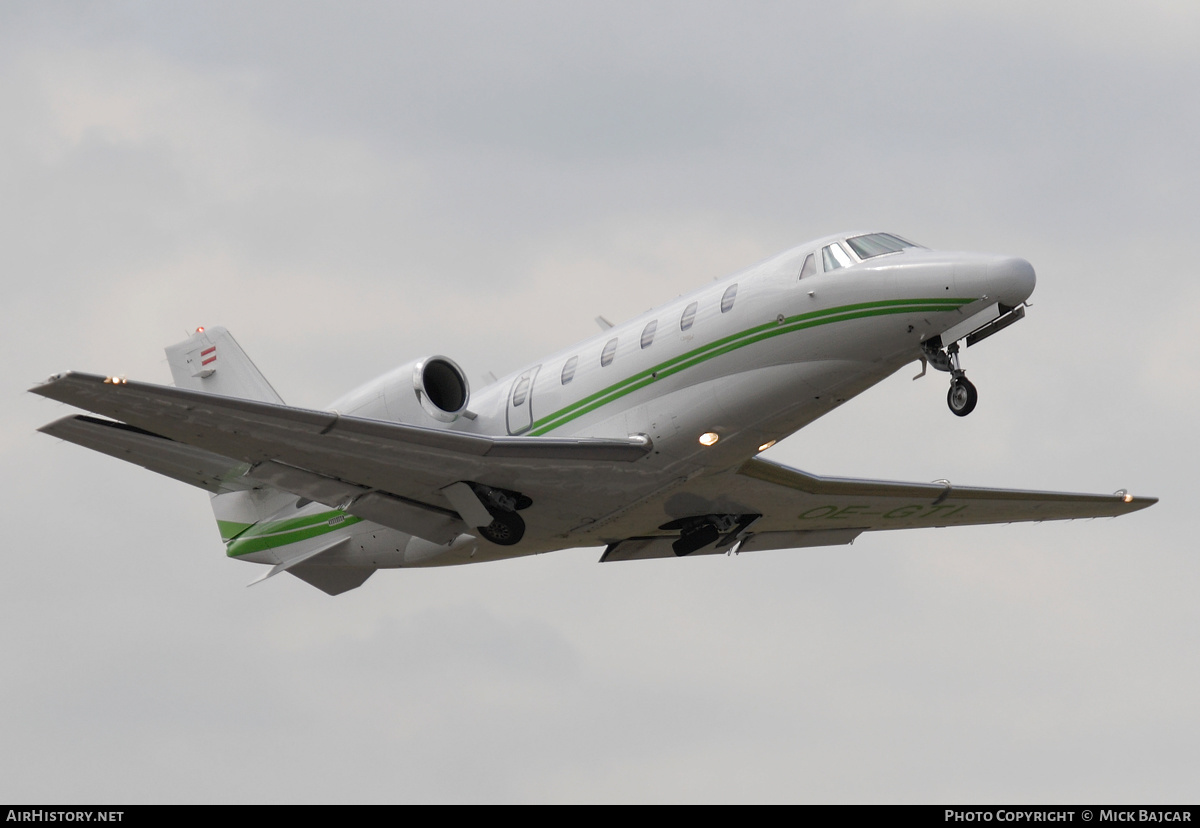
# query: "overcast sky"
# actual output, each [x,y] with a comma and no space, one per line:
[348,186]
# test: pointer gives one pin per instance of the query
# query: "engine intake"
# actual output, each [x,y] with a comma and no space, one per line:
[441,388]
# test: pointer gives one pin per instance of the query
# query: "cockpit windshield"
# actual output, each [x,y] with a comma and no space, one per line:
[877,244]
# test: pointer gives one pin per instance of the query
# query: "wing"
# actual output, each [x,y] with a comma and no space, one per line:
[787,508]
[397,473]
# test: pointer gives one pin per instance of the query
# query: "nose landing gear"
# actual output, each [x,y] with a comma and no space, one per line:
[962,395]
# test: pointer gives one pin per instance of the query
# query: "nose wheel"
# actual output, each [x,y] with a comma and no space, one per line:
[962,396]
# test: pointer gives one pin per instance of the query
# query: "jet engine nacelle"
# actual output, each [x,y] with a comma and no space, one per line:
[434,387]
[437,386]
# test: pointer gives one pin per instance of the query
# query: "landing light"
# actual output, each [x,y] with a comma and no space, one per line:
[708,438]
[1129,498]
[766,445]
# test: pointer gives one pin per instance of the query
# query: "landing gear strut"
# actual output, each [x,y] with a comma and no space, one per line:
[962,396]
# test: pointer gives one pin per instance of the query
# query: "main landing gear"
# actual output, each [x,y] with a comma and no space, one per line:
[507,527]
[700,531]
[962,395]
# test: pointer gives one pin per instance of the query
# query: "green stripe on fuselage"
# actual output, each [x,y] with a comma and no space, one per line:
[733,342]
[230,529]
[262,536]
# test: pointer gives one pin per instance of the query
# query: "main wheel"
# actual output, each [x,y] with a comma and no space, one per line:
[506,529]
[962,397]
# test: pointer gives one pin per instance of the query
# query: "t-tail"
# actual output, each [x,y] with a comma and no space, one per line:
[211,360]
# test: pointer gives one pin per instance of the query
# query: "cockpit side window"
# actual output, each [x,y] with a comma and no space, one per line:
[810,267]
[833,257]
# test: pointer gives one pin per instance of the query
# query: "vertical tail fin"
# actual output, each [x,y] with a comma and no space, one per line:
[211,360]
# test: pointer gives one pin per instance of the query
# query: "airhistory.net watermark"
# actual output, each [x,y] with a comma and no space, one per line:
[42,815]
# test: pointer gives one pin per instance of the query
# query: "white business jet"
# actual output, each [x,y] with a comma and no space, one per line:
[641,439]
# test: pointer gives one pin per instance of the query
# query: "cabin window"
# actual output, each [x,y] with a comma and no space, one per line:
[610,350]
[689,316]
[810,267]
[520,392]
[568,372]
[833,257]
[648,333]
[727,299]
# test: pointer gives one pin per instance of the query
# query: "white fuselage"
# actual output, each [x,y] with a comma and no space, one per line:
[750,358]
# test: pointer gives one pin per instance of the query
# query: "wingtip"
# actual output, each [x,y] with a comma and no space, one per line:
[42,386]
[58,386]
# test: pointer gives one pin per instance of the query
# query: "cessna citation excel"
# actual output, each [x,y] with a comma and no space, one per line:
[641,439]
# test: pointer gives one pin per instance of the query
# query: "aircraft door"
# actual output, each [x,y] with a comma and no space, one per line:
[520,402]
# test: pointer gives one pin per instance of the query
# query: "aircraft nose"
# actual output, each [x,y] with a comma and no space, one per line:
[1011,280]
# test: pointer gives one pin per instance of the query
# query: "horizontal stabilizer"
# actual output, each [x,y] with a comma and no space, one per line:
[297,560]
[331,578]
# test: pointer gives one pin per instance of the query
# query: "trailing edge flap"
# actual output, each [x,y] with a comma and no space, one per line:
[212,472]
[403,460]
[639,549]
